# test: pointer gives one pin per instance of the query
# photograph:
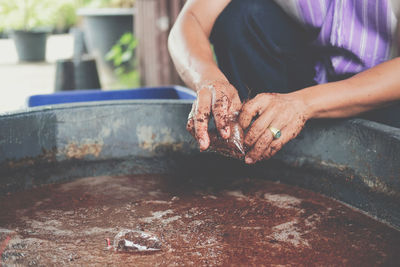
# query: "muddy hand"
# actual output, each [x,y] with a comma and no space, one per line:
[278,118]
[218,98]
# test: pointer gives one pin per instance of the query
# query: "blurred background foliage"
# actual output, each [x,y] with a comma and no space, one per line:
[108,3]
[54,15]
[122,55]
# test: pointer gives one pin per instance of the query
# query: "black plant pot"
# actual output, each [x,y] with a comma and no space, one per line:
[76,74]
[31,45]
[103,27]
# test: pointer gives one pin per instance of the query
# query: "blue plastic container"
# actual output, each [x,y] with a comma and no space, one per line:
[170,92]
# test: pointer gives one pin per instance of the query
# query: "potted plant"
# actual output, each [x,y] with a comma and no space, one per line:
[63,15]
[28,22]
[104,23]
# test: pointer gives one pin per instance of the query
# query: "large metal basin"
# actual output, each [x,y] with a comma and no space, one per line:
[354,161]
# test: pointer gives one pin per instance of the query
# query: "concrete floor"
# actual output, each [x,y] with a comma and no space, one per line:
[20,80]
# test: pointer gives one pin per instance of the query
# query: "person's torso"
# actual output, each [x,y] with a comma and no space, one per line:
[369,29]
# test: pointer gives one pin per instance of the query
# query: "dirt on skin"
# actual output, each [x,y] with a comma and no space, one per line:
[202,222]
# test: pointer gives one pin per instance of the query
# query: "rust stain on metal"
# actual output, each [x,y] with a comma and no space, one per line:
[46,156]
[152,140]
[169,147]
[21,163]
[79,151]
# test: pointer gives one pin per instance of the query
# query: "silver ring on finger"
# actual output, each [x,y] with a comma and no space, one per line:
[275,132]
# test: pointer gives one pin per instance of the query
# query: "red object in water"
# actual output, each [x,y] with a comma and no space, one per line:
[4,245]
[108,243]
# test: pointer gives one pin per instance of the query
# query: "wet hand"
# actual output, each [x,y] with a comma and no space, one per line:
[219,99]
[285,112]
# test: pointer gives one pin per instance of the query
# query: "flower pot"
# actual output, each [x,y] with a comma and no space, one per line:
[31,45]
[76,74]
[103,27]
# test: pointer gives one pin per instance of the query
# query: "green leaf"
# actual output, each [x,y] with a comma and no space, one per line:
[126,56]
[115,54]
[126,38]
[133,44]
[119,71]
[118,61]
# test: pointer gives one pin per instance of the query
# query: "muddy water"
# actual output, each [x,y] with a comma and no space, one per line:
[201,222]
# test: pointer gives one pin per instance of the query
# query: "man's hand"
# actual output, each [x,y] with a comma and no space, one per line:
[281,111]
[219,98]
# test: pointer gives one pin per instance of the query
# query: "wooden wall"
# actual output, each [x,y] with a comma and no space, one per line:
[153,21]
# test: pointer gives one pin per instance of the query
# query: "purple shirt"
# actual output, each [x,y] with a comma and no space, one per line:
[365,28]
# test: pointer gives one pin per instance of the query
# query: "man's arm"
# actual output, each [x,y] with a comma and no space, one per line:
[189,45]
[373,88]
[191,52]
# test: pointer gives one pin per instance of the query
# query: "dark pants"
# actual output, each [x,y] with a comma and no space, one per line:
[260,48]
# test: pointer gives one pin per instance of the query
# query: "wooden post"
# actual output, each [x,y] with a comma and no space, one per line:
[153,21]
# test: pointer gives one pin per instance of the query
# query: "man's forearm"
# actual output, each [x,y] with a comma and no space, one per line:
[191,52]
[373,88]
